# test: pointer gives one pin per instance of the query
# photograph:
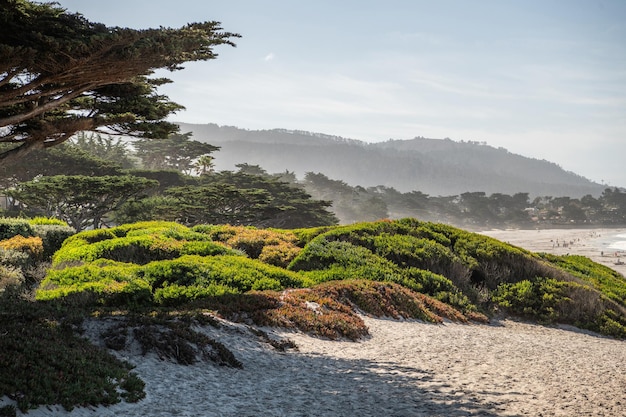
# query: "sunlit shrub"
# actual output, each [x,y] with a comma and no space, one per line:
[33,246]
[106,292]
[549,300]
[102,282]
[306,235]
[170,230]
[94,271]
[273,246]
[88,237]
[207,248]
[612,324]
[539,299]
[279,255]
[608,281]
[136,249]
[321,253]
[175,294]
[236,272]
[132,243]
[47,221]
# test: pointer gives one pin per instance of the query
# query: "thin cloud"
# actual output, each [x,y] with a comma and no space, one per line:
[269,57]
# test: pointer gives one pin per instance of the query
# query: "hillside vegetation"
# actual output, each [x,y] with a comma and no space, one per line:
[432,166]
[159,279]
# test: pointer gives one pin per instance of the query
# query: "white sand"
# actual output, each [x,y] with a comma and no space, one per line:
[405,368]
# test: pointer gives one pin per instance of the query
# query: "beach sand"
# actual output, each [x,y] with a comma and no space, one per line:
[405,368]
[592,243]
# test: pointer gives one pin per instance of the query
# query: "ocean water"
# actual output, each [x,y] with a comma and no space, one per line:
[613,241]
[617,242]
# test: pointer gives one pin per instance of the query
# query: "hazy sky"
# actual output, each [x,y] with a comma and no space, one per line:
[541,78]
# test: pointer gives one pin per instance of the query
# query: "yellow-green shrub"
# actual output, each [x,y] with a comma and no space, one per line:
[104,292]
[48,221]
[102,282]
[236,272]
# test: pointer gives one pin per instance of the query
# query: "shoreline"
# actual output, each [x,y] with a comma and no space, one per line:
[588,242]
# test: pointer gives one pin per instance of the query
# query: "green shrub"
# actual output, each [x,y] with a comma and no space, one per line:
[44,362]
[306,235]
[339,260]
[608,281]
[95,271]
[88,237]
[235,272]
[104,292]
[138,243]
[321,253]
[411,251]
[539,299]
[10,227]
[207,248]
[153,226]
[612,324]
[174,294]
[53,236]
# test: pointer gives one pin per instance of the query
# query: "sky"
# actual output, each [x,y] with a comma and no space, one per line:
[544,79]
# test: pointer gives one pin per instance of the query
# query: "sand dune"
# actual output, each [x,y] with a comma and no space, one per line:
[405,368]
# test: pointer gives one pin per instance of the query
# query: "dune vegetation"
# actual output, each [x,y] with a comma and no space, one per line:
[162,278]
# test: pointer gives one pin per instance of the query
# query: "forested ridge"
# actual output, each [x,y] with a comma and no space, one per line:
[96,180]
[437,167]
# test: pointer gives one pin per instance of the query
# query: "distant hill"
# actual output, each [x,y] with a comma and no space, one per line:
[438,167]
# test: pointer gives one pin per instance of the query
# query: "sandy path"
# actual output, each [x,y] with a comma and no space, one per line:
[507,369]
[403,369]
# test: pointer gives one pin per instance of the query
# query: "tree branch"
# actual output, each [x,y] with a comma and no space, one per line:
[18,118]
[9,76]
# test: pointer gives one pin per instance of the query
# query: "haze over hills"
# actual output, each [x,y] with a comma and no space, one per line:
[437,167]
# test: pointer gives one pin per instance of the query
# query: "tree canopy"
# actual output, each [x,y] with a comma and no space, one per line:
[61,73]
[81,201]
[177,152]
